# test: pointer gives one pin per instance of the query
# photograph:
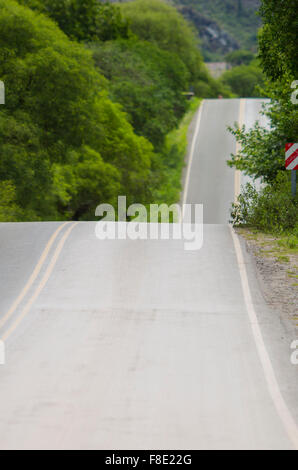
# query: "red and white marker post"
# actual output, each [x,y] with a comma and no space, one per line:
[292,163]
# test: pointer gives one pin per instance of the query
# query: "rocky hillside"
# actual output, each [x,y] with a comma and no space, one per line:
[223,25]
[216,42]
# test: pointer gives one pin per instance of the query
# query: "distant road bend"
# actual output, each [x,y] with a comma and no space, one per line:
[140,344]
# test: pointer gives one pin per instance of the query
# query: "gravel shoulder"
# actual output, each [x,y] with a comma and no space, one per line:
[276,260]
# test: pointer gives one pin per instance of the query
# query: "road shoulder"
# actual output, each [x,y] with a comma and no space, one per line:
[275,311]
[276,261]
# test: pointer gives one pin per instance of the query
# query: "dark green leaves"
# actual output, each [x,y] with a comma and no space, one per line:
[65,147]
[84,20]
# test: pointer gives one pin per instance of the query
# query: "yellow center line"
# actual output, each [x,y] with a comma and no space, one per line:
[33,276]
[41,284]
[238,148]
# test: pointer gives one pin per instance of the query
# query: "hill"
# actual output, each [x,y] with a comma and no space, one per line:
[223,25]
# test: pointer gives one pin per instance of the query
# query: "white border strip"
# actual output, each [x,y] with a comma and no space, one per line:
[291,150]
[192,151]
[293,165]
[272,384]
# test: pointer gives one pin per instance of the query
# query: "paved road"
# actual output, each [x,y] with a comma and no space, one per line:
[211,181]
[141,344]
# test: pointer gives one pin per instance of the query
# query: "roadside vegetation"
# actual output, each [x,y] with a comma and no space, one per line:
[283,248]
[276,256]
[245,78]
[245,81]
[273,209]
[148,82]
[95,106]
[240,57]
[173,157]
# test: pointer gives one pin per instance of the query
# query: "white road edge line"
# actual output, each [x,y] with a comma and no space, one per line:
[192,151]
[272,384]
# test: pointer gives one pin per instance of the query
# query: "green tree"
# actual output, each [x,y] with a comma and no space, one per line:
[84,20]
[243,80]
[65,147]
[240,57]
[148,82]
[9,210]
[160,23]
[278,38]
[262,152]
[272,209]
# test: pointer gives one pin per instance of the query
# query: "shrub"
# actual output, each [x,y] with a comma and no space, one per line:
[9,210]
[244,80]
[240,57]
[273,209]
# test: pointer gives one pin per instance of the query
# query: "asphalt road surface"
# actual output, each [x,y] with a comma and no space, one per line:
[210,180]
[140,344]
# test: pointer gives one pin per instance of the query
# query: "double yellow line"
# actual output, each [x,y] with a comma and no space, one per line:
[33,278]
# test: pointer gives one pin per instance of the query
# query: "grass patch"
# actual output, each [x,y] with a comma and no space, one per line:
[283,259]
[174,153]
[178,137]
[283,248]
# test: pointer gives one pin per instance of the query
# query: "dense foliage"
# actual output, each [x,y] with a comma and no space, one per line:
[239,57]
[90,103]
[65,146]
[159,23]
[271,210]
[148,82]
[244,80]
[278,39]
[84,21]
